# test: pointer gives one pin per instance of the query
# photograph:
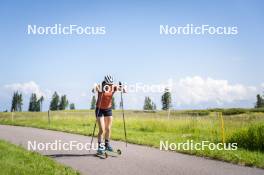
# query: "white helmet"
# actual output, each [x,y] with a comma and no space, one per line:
[109,79]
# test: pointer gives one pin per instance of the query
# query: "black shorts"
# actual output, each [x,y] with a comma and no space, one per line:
[103,112]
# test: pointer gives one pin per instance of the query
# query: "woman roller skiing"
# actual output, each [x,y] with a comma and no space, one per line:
[103,111]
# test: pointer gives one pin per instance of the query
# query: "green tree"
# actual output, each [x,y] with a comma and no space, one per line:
[148,104]
[113,103]
[166,100]
[72,106]
[17,102]
[20,102]
[14,102]
[33,103]
[40,101]
[93,103]
[63,103]
[54,104]
[260,101]
[154,106]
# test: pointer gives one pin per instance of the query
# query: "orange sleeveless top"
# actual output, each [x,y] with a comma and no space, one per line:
[104,100]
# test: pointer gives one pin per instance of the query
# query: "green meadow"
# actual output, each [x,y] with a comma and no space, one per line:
[242,126]
[16,160]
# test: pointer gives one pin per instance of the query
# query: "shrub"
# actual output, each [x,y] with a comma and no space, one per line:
[197,112]
[251,138]
[234,111]
[144,111]
[257,110]
[231,111]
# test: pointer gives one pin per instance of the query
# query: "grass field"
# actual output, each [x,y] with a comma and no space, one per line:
[16,160]
[148,128]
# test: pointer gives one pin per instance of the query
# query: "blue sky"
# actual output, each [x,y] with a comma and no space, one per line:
[133,50]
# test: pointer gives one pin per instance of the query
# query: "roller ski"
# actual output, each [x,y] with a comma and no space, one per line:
[112,152]
[101,153]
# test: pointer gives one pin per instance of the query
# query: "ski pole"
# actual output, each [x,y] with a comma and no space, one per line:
[122,106]
[93,135]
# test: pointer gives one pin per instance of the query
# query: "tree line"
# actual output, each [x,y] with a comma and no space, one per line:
[62,103]
[165,101]
[35,103]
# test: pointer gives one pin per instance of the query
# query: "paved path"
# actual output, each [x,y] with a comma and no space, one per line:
[135,159]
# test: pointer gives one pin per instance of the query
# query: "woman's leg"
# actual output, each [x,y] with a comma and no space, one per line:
[108,125]
[101,124]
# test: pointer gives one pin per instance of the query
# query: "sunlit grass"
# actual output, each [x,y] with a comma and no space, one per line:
[16,160]
[149,128]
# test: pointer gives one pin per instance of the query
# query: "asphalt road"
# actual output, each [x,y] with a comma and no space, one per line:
[135,159]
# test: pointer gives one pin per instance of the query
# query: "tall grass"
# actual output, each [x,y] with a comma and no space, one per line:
[16,160]
[251,138]
[150,128]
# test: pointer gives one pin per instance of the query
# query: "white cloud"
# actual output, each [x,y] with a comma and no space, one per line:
[26,88]
[197,90]
[191,92]
[262,85]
